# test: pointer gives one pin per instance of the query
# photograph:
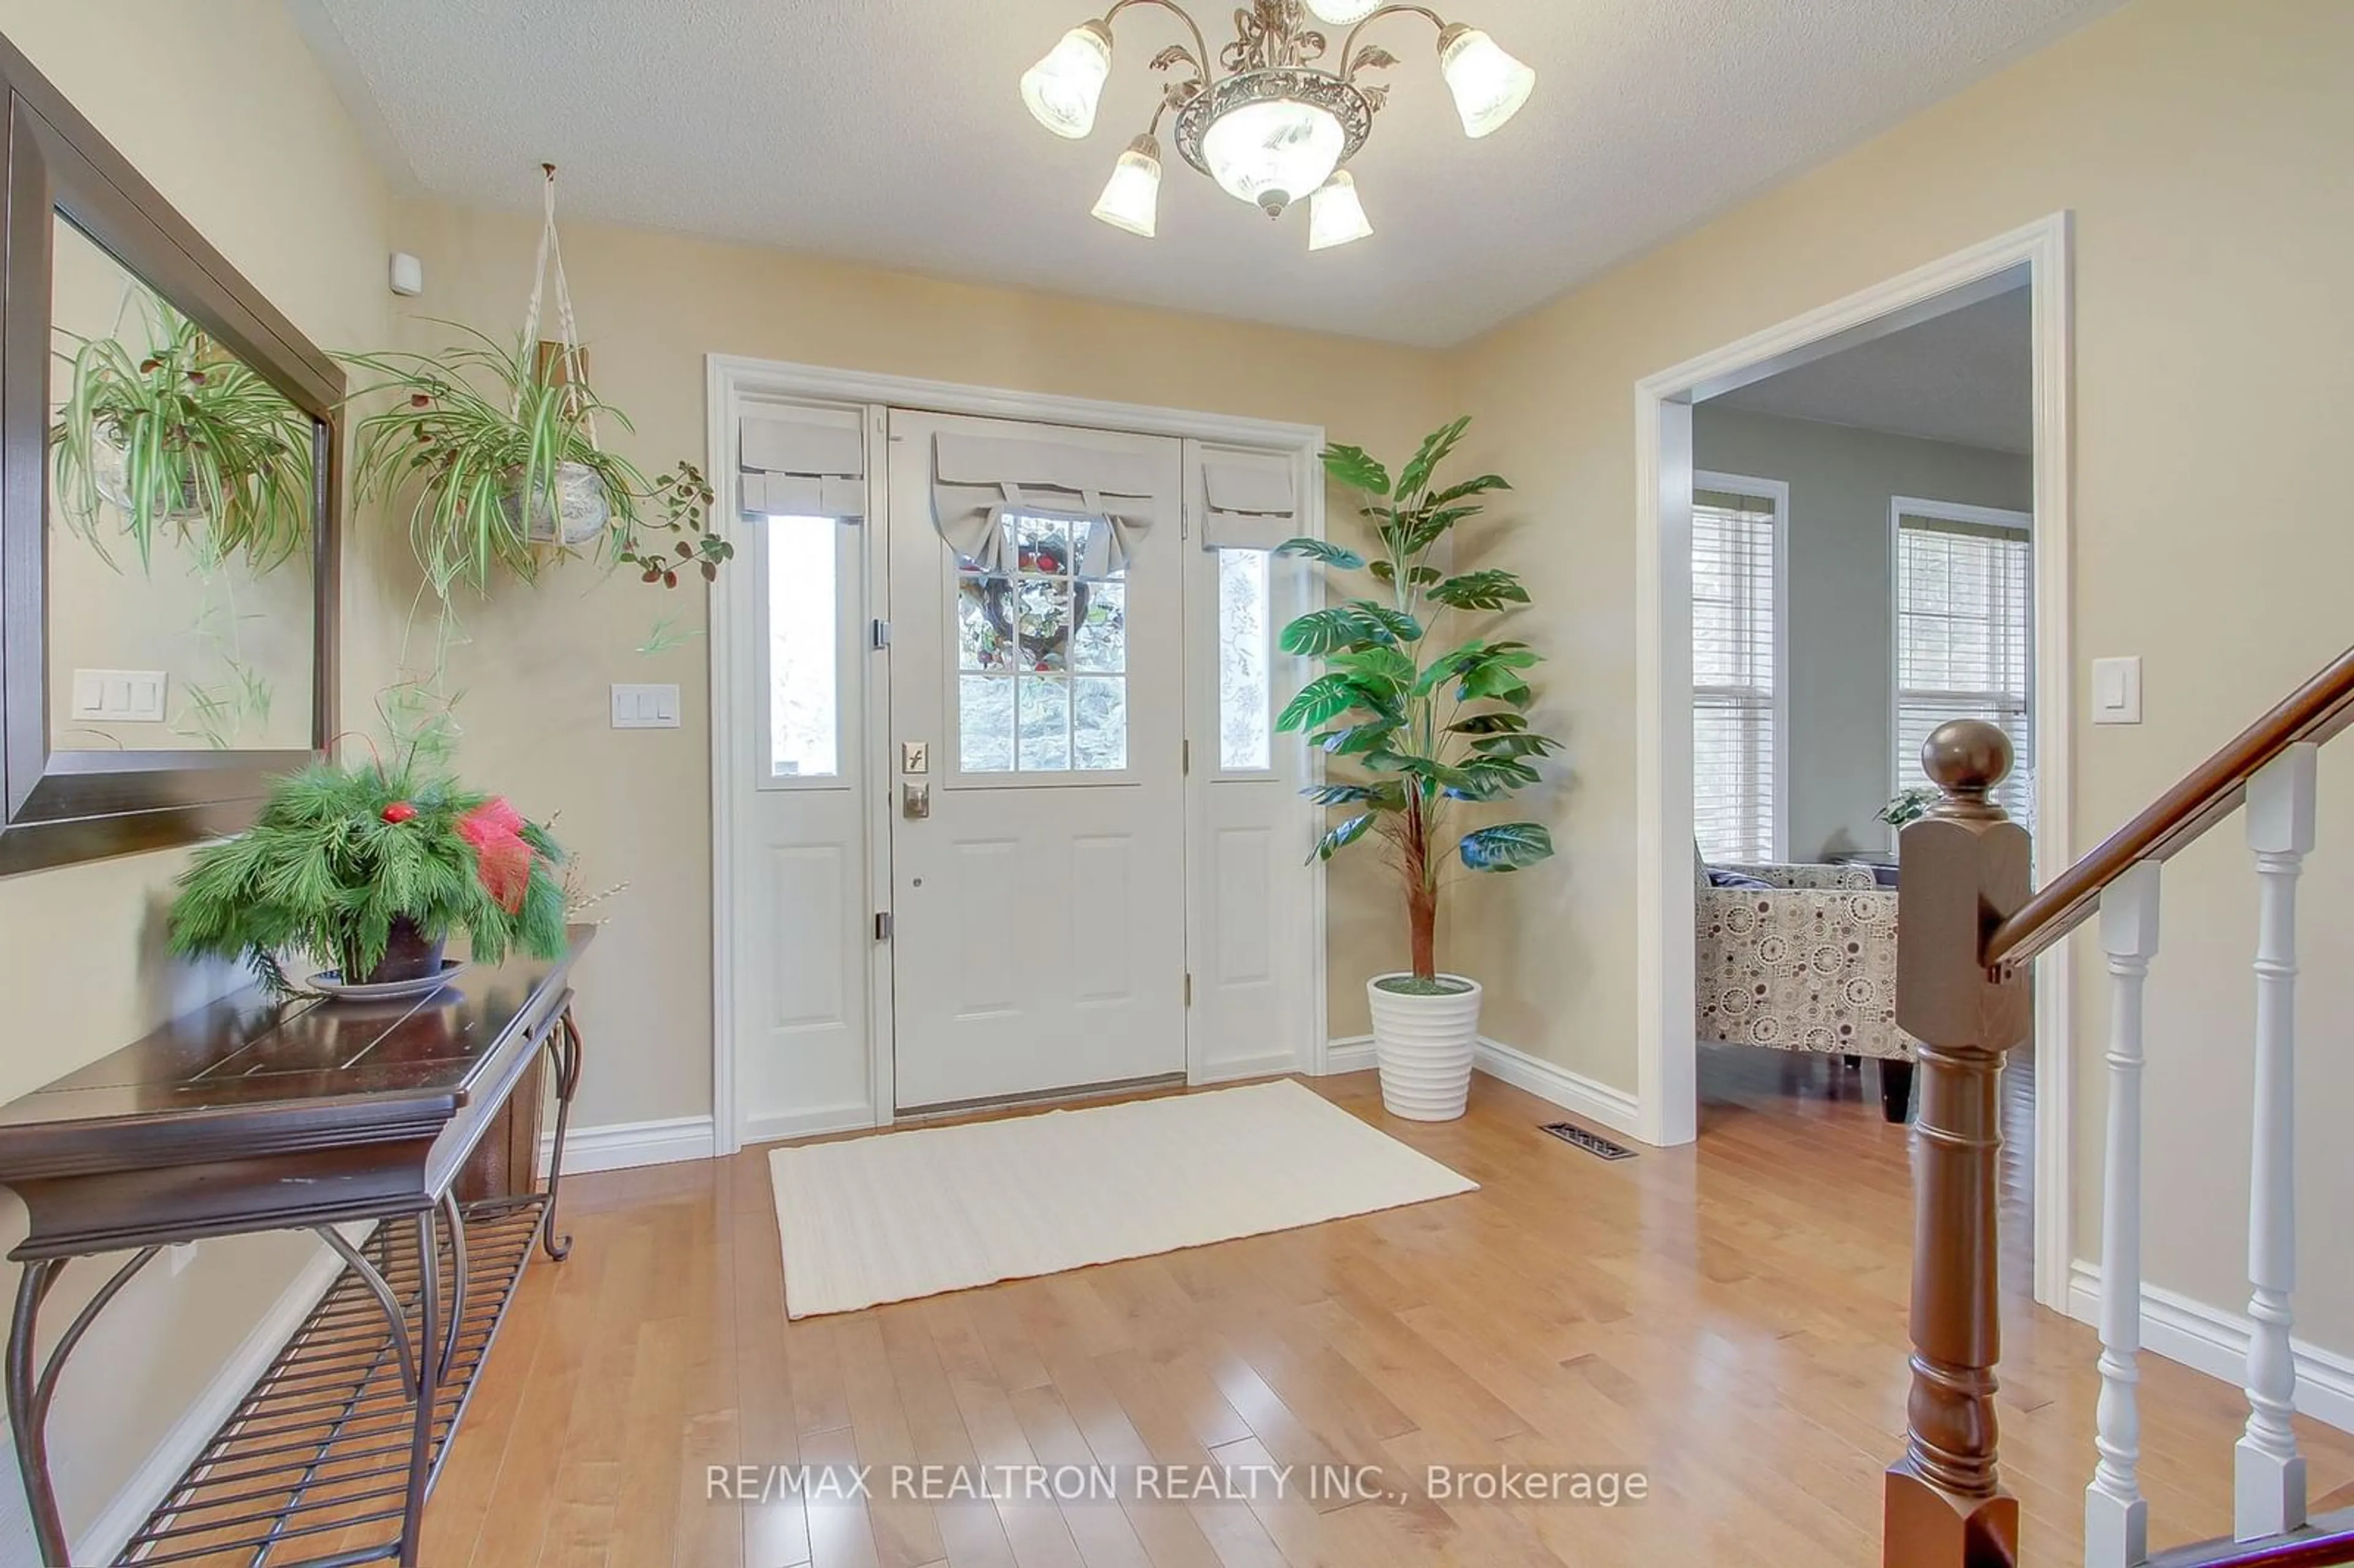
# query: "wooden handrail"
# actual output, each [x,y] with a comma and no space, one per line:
[2208,793]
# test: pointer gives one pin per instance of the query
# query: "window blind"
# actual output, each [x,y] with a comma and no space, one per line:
[1248,501]
[978,479]
[1964,635]
[1733,786]
[801,462]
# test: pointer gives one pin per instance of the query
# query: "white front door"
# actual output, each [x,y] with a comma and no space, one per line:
[1036,723]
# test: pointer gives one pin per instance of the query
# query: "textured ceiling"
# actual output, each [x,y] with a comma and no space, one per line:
[1965,376]
[890,132]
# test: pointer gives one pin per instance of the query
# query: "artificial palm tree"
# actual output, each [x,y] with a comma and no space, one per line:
[1425,727]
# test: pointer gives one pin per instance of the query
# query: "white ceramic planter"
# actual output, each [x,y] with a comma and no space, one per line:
[1425,1045]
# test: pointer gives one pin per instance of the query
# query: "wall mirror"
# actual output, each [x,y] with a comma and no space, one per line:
[169,486]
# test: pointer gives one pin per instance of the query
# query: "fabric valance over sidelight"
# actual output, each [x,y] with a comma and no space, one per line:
[978,481]
[803,463]
[1248,501]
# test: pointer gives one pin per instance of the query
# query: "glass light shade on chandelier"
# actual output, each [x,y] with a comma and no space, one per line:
[1272,115]
[1335,216]
[1489,85]
[1132,199]
[1064,89]
[1274,152]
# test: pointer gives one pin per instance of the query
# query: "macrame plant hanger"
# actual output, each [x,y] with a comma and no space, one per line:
[580,494]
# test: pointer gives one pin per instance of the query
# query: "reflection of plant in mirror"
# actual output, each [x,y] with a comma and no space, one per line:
[215,712]
[482,425]
[180,434]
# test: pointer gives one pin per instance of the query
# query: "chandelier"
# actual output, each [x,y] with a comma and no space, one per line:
[1274,125]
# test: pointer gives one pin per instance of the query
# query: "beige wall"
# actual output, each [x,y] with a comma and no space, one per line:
[635,804]
[1841,582]
[2202,149]
[260,158]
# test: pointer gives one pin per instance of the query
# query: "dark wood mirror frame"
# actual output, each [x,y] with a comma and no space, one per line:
[57,807]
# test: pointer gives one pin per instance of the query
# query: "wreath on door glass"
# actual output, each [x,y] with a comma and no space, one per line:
[1039,643]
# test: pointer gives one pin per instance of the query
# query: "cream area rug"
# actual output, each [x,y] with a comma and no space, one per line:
[914,1214]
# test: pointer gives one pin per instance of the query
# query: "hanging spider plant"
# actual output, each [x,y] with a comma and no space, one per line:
[497,446]
[181,438]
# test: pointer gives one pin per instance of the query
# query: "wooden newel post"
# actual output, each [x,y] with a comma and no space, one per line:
[1964,868]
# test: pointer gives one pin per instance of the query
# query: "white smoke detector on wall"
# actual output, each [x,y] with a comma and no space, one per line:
[407,276]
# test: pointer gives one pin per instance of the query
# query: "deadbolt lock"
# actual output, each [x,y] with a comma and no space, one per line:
[915,756]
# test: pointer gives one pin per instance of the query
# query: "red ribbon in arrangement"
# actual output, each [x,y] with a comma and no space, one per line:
[502,856]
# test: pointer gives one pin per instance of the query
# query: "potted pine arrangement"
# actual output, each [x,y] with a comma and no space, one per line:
[1423,729]
[366,871]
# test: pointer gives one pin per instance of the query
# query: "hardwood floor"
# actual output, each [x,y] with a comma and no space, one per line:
[1726,1319]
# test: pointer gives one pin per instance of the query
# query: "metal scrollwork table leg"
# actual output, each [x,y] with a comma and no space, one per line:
[564,1052]
[29,1393]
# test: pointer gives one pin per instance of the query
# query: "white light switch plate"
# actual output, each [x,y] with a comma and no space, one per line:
[119,696]
[2117,689]
[645,708]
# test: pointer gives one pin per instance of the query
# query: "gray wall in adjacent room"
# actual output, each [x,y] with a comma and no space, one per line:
[1842,593]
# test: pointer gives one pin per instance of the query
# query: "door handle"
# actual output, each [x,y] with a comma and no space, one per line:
[914,802]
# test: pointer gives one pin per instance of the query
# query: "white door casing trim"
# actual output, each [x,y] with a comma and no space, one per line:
[729,378]
[1665,1049]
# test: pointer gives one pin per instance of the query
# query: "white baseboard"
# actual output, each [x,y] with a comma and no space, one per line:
[148,1485]
[627,1145]
[2214,1340]
[1572,1091]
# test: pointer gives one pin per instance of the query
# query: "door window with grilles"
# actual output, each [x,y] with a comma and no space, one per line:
[1042,657]
[1736,678]
[1965,633]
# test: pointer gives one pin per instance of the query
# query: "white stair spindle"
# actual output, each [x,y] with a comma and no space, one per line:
[2116,1516]
[2268,1479]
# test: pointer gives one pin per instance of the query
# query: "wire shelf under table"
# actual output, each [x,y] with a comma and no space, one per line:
[311,1470]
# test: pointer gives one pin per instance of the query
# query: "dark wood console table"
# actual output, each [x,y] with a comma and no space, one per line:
[255,1114]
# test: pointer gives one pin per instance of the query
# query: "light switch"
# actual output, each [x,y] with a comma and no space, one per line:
[119,696]
[645,708]
[2117,689]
